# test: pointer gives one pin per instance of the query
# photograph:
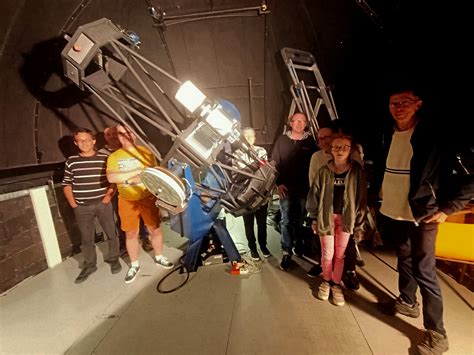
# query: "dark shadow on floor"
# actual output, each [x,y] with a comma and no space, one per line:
[379,309]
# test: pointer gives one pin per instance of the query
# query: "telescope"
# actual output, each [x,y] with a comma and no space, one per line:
[103,58]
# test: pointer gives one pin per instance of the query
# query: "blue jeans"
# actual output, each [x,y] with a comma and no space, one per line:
[292,213]
[417,267]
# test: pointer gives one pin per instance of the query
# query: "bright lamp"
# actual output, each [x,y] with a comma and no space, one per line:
[190,96]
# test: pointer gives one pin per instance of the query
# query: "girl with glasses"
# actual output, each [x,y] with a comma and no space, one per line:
[337,203]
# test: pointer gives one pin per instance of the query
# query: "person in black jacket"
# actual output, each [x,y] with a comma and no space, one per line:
[417,193]
[292,153]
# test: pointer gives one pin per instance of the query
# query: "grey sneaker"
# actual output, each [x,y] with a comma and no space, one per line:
[433,343]
[163,261]
[406,309]
[337,296]
[323,291]
[132,274]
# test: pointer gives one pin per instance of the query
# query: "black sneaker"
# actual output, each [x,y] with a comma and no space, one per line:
[351,281]
[132,274]
[115,267]
[146,244]
[433,343]
[359,261]
[163,261]
[266,253]
[315,271]
[399,306]
[254,255]
[285,262]
[298,250]
[84,274]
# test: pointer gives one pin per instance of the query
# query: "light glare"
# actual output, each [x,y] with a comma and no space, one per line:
[190,96]
[220,122]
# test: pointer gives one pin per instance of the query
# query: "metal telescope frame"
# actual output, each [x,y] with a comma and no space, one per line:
[96,59]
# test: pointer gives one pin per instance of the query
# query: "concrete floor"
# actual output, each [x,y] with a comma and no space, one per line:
[267,312]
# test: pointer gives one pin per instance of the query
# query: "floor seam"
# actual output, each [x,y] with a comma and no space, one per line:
[361,331]
[230,325]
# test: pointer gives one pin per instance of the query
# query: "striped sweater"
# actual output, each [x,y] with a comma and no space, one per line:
[87,176]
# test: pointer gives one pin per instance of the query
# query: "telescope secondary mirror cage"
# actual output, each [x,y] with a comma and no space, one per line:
[96,59]
[304,62]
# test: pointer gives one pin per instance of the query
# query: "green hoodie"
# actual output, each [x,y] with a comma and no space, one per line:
[320,200]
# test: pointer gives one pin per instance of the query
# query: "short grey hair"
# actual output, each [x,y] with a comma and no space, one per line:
[248,129]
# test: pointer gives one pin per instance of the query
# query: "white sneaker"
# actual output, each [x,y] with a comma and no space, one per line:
[323,291]
[337,296]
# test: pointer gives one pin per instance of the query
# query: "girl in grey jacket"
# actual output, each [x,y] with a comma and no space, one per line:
[337,203]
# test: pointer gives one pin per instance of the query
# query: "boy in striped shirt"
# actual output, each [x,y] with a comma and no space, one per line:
[89,193]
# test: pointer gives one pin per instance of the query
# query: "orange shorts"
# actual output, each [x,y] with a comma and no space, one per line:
[130,212]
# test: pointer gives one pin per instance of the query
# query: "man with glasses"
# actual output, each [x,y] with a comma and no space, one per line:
[89,193]
[124,167]
[292,153]
[113,144]
[418,193]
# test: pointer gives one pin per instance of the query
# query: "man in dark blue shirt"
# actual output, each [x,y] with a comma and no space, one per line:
[292,153]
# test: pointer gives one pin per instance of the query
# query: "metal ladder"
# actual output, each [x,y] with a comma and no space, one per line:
[298,61]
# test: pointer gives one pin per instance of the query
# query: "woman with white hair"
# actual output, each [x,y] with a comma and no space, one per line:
[259,215]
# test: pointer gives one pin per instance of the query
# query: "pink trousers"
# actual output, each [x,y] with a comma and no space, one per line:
[333,248]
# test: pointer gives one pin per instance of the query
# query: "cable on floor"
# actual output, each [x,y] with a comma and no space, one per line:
[182,268]
[249,265]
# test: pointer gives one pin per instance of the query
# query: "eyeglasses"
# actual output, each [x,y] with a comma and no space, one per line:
[79,141]
[403,103]
[341,148]
[298,121]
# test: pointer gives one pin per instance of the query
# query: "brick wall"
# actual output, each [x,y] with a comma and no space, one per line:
[21,248]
